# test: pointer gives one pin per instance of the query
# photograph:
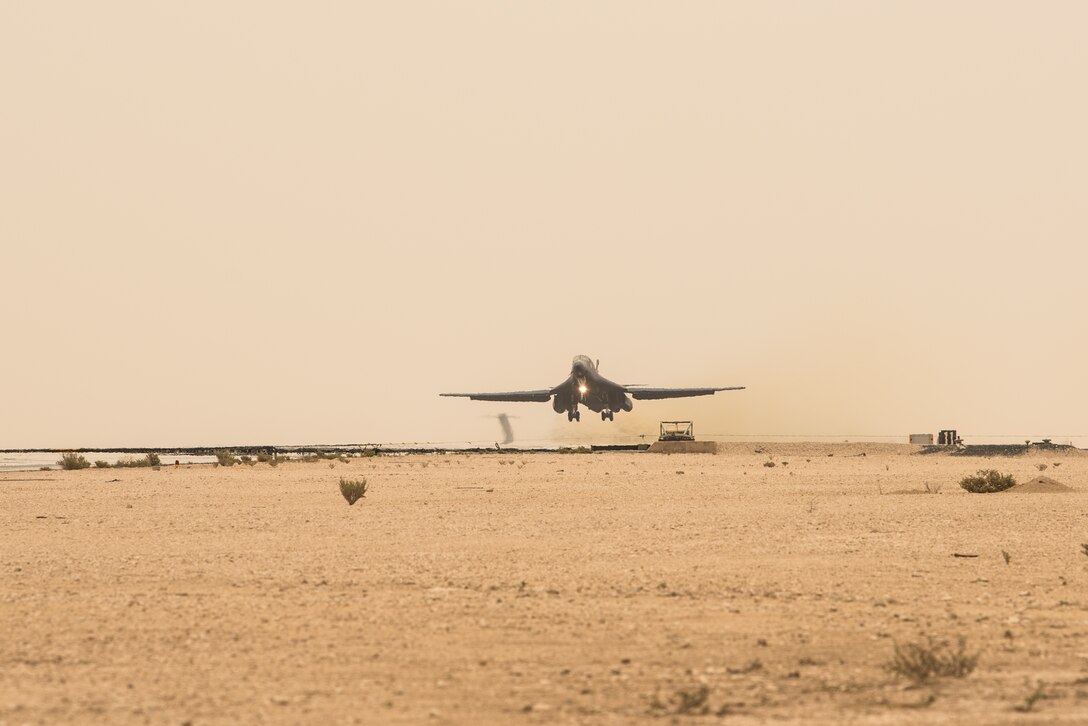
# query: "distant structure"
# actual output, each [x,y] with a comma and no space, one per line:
[678,437]
[677,431]
[948,437]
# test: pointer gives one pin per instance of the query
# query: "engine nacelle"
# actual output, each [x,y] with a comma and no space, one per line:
[558,404]
[627,404]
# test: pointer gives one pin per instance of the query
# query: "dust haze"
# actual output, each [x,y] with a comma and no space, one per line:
[242,223]
[245,222]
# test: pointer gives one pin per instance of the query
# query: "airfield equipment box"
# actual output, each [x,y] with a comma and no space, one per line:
[677,431]
[922,439]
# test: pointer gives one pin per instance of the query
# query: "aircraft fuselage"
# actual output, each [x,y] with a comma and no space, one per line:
[587,387]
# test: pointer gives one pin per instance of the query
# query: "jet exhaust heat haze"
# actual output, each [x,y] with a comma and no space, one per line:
[585,386]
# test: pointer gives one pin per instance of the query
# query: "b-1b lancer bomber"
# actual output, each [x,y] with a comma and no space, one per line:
[586,386]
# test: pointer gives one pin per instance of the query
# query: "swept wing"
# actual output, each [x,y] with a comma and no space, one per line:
[543,396]
[648,394]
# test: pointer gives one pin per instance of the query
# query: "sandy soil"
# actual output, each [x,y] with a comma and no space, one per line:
[542,589]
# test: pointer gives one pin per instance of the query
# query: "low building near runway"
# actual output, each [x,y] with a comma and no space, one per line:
[947,437]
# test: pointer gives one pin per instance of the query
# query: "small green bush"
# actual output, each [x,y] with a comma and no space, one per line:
[72,461]
[353,489]
[153,460]
[264,458]
[247,460]
[102,464]
[987,481]
[225,458]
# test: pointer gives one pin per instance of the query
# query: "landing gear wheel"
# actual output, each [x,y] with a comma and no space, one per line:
[574,415]
[607,416]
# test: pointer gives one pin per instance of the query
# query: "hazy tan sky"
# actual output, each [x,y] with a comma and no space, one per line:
[231,222]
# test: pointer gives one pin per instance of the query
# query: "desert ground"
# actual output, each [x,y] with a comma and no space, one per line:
[545,588]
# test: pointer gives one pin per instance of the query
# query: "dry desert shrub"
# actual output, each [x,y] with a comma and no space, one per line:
[353,489]
[1029,703]
[73,461]
[693,702]
[921,663]
[102,464]
[318,456]
[225,458]
[148,460]
[987,481]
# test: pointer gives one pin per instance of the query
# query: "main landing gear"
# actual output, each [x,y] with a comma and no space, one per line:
[607,415]
[574,415]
